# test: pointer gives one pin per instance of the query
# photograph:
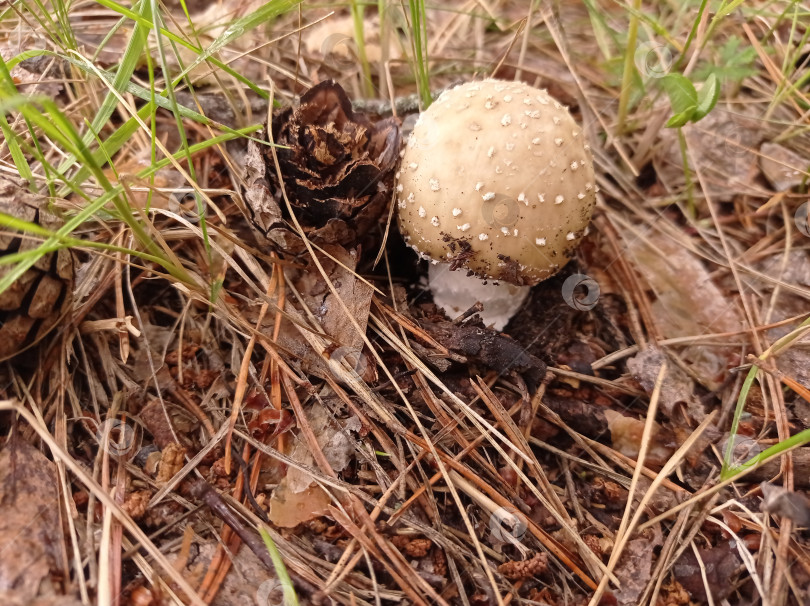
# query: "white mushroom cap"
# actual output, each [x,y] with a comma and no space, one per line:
[496,178]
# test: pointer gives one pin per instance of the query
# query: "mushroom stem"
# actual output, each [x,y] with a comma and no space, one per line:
[456,292]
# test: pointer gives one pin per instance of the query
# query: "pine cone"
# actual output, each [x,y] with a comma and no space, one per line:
[43,295]
[337,165]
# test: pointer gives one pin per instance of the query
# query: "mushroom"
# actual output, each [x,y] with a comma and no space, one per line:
[496,179]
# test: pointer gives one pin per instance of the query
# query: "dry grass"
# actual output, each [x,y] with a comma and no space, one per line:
[217,342]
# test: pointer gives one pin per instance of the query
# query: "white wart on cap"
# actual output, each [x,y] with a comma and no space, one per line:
[498,179]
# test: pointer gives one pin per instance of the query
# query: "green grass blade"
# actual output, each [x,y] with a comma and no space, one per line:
[729,470]
[182,132]
[126,12]
[122,135]
[54,125]
[96,205]
[629,68]
[418,31]
[358,10]
[290,599]
[9,90]
[136,46]
[20,225]
[794,441]
[265,13]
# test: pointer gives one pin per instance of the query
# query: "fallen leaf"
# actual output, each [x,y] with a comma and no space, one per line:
[352,294]
[721,564]
[792,269]
[248,582]
[491,348]
[782,167]
[333,440]
[676,388]
[265,213]
[30,529]
[687,303]
[778,501]
[626,433]
[634,570]
[39,75]
[289,509]
[297,498]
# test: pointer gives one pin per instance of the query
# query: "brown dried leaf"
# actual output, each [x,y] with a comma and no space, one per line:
[39,75]
[687,303]
[634,570]
[297,498]
[793,269]
[723,145]
[355,295]
[779,501]
[676,388]
[265,212]
[782,167]
[248,581]
[721,563]
[30,529]
[163,179]
[583,416]
[289,509]
[353,292]
[626,433]
[333,440]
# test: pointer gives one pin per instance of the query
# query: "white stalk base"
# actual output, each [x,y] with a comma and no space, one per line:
[456,293]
